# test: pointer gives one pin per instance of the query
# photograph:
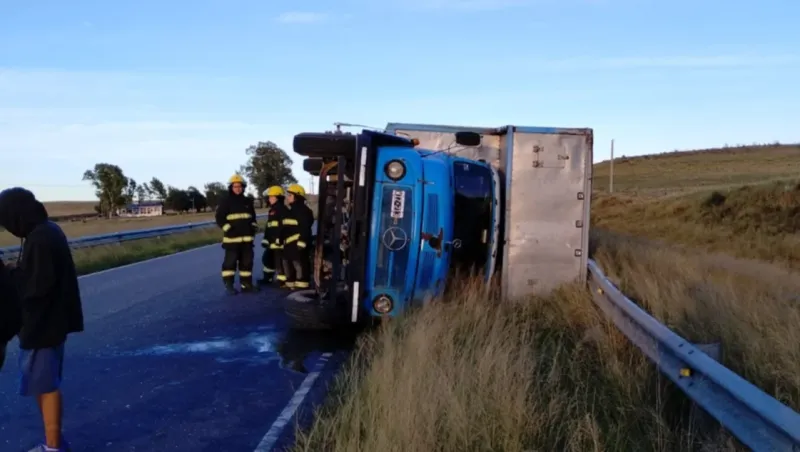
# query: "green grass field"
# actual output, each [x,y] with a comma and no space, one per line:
[97,258]
[703,240]
[103,257]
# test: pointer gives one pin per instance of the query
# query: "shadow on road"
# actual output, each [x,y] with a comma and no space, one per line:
[297,345]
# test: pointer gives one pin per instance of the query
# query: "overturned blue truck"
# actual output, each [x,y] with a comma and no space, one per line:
[401,211]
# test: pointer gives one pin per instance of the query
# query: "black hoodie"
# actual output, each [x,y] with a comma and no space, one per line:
[9,307]
[46,280]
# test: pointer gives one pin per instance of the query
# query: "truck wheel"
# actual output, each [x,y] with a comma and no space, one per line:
[305,312]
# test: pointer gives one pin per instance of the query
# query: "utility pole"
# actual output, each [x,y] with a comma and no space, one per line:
[611,170]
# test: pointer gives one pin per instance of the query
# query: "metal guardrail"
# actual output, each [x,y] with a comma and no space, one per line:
[756,419]
[124,236]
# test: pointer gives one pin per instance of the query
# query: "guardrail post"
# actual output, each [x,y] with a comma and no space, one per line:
[704,422]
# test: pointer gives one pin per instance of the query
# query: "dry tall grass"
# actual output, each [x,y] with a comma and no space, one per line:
[751,308]
[471,374]
[758,222]
[711,169]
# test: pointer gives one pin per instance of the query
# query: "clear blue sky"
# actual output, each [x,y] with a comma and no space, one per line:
[178,89]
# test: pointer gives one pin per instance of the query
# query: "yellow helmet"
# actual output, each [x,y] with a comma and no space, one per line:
[236,179]
[275,190]
[297,189]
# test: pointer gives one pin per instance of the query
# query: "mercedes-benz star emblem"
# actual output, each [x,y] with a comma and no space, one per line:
[395,239]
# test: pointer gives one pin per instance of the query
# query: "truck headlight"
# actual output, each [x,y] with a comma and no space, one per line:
[382,304]
[395,170]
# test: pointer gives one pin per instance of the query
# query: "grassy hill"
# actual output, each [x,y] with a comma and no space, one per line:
[698,170]
[744,201]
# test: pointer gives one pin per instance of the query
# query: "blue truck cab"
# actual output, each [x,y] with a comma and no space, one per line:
[400,218]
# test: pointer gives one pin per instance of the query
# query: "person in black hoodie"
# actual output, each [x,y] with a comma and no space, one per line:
[50,303]
[9,311]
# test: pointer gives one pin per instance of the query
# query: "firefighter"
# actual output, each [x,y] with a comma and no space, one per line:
[236,216]
[271,259]
[297,239]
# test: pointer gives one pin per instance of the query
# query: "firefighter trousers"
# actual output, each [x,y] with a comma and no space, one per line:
[241,255]
[272,261]
[297,267]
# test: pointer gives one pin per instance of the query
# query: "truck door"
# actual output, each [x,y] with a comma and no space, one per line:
[472,225]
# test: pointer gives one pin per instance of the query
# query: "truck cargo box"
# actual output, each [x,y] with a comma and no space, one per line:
[547,180]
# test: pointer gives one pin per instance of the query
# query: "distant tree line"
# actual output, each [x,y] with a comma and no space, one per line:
[266,165]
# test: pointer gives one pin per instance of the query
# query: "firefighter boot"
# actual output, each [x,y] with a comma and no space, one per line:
[267,280]
[229,289]
[247,283]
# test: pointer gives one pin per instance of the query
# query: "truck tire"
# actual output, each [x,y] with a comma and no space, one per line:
[305,312]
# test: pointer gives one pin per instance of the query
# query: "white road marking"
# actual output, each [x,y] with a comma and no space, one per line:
[274,432]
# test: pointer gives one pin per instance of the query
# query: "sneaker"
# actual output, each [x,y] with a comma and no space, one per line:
[43,447]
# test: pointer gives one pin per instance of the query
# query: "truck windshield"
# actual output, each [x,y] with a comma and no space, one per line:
[473,216]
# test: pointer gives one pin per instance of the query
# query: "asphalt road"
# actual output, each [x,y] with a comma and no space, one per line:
[169,362]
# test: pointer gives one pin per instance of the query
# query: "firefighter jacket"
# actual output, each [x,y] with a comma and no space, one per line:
[236,216]
[296,232]
[272,233]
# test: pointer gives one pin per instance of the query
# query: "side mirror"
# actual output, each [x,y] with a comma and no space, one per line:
[468,138]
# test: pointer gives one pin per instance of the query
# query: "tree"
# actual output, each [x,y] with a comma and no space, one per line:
[267,165]
[110,183]
[148,191]
[158,189]
[130,191]
[141,193]
[199,202]
[177,200]
[214,192]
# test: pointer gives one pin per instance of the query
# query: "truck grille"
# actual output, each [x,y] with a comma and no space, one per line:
[392,266]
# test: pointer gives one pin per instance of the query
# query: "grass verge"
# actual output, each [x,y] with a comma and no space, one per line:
[751,308]
[467,373]
[94,259]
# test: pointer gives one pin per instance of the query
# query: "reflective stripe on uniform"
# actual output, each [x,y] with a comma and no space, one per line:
[301,244]
[273,224]
[290,222]
[238,216]
[281,277]
[301,285]
[226,227]
[293,238]
[269,270]
[265,242]
[245,274]
[276,247]
[290,284]
[227,273]
[244,239]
